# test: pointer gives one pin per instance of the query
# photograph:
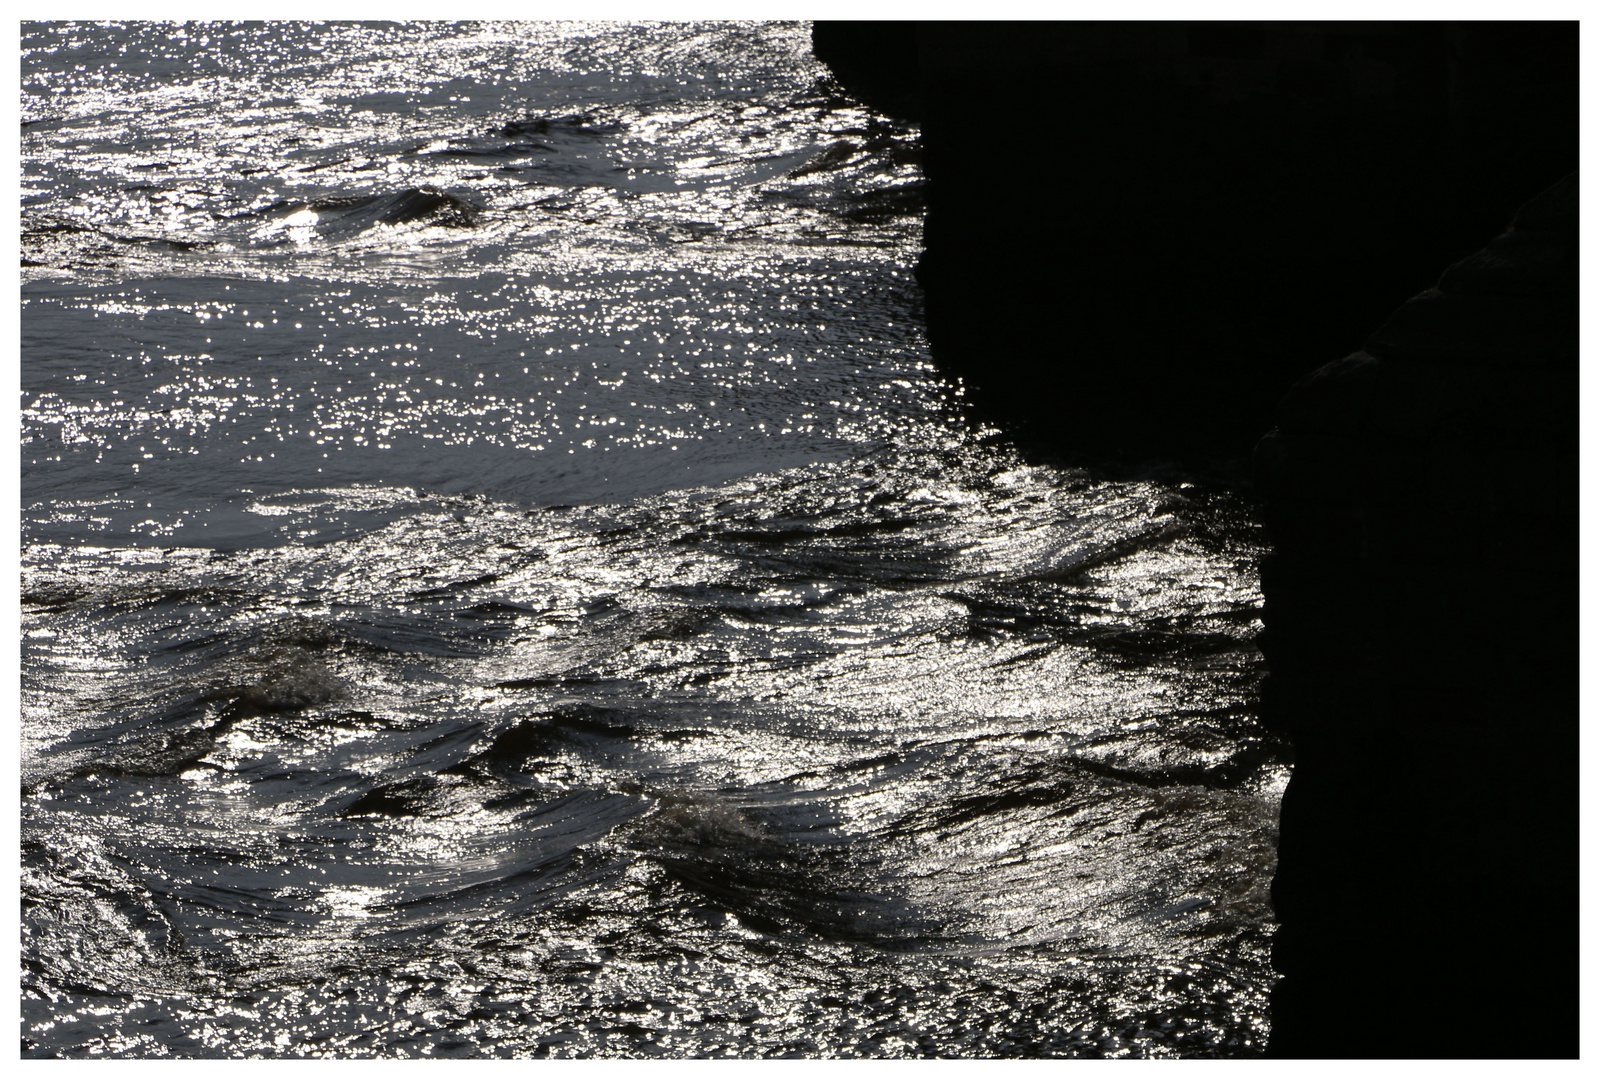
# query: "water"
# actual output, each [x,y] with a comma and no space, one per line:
[502,577]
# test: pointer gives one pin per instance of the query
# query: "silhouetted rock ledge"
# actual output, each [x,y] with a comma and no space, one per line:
[1139,235]
[1422,637]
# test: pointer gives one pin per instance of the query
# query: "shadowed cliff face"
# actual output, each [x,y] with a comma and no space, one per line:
[1421,631]
[1140,235]
[1139,238]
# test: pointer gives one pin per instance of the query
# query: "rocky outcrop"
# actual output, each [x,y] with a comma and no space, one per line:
[1422,634]
[1139,235]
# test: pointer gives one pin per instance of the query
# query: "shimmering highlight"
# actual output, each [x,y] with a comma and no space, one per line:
[501,577]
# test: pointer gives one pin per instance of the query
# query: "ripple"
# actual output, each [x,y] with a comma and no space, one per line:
[501,577]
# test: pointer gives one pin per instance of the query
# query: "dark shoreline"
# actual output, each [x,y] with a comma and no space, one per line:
[1139,238]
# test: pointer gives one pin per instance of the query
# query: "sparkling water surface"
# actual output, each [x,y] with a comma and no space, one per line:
[502,577]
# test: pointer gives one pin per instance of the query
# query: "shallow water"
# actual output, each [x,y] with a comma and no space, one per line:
[502,577]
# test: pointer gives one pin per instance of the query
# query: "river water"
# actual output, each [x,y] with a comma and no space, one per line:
[501,576]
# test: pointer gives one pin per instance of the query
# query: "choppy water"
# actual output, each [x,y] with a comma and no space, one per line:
[501,577]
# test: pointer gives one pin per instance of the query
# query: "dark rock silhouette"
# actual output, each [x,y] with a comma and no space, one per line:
[1140,235]
[1422,633]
